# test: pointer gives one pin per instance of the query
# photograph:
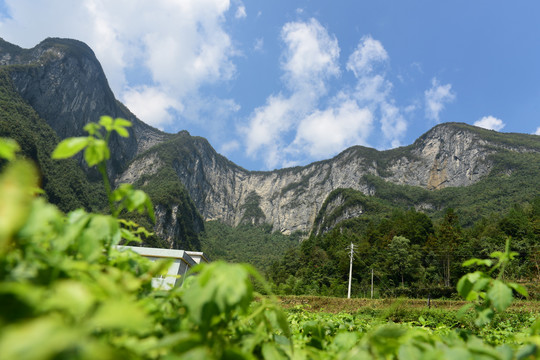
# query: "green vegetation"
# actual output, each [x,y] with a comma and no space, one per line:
[64,183]
[255,245]
[167,192]
[513,180]
[409,254]
[348,199]
[510,140]
[252,211]
[68,293]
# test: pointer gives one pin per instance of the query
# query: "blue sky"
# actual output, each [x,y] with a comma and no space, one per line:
[281,83]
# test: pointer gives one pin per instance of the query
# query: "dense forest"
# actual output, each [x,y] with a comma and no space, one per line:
[65,184]
[409,253]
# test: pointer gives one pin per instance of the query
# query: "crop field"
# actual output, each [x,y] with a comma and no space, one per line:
[337,305]
[443,317]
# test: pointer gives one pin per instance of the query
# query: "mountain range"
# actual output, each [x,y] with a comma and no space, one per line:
[51,91]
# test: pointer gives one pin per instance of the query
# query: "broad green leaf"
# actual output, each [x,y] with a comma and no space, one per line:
[122,122]
[270,351]
[15,184]
[129,236]
[142,230]
[71,296]
[92,128]
[128,223]
[218,290]
[466,284]
[512,255]
[485,262]
[69,147]
[482,283]
[120,125]
[484,317]
[106,122]
[150,209]
[282,322]
[122,132]
[135,200]
[464,309]
[409,352]
[122,191]
[38,338]
[529,351]
[456,353]
[479,350]
[520,289]
[96,152]
[122,314]
[500,295]
[44,220]
[8,148]
[100,230]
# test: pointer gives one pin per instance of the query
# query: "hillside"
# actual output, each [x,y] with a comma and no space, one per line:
[473,170]
[451,165]
[59,86]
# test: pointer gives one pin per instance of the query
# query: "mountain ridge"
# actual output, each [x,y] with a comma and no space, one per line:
[65,84]
[449,155]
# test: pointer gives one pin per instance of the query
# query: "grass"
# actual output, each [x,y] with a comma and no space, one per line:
[336,305]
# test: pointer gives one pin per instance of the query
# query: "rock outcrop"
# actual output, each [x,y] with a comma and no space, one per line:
[449,155]
[65,84]
[63,81]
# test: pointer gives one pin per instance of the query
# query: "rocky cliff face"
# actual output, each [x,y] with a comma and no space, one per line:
[63,81]
[65,84]
[290,199]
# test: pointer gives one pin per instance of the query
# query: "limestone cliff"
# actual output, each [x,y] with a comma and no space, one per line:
[449,155]
[63,81]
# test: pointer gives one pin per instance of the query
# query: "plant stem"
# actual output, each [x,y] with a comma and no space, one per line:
[103,170]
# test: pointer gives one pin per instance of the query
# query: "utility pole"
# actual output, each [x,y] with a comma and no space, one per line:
[350,271]
[372,283]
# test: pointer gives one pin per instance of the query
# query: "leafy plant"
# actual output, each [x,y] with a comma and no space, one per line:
[494,294]
[96,153]
[68,293]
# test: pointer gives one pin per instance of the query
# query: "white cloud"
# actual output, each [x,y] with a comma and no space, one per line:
[267,125]
[309,60]
[332,130]
[230,147]
[259,45]
[152,105]
[537,132]
[367,55]
[311,56]
[491,123]
[182,44]
[373,89]
[436,98]
[393,124]
[291,127]
[240,12]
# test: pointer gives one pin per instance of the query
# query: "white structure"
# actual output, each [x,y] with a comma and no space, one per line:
[182,261]
[198,256]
